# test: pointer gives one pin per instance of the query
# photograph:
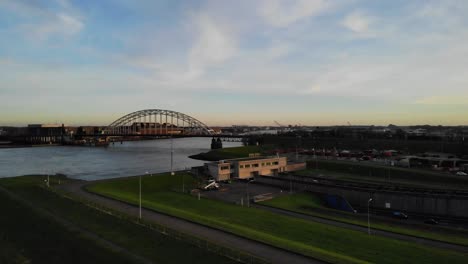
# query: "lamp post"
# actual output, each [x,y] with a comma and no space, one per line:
[368,215]
[248,195]
[172,154]
[290,184]
[316,162]
[139,215]
[183,183]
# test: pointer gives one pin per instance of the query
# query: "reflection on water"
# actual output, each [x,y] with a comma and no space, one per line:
[92,163]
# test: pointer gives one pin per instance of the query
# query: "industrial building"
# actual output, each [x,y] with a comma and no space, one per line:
[433,160]
[246,168]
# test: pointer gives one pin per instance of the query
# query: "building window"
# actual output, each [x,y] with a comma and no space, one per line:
[255,165]
[247,165]
[263,163]
[241,166]
[275,163]
[225,168]
[268,163]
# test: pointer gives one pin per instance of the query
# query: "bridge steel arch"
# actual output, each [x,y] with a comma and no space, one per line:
[157,122]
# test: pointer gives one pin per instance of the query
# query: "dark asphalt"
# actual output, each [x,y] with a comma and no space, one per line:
[422,241]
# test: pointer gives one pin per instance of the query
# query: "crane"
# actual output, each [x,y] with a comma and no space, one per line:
[280,125]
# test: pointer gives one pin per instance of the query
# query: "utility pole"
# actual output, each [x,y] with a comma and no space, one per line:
[139,215]
[183,183]
[248,195]
[290,184]
[172,154]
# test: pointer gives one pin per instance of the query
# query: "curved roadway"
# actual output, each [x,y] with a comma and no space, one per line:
[418,240]
[269,253]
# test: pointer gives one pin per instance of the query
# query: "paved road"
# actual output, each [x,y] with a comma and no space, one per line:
[266,252]
[422,241]
[236,190]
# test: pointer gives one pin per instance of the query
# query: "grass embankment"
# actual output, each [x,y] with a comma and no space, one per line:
[317,240]
[379,173]
[305,203]
[27,236]
[227,153]
[42,240]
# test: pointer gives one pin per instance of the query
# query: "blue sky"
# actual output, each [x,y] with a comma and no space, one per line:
[310,62]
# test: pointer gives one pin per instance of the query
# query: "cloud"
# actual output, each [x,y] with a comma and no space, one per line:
[281,13]
[315,89]
[62,25]
[443,100]
[213,44]
[279,50]
[42,22]
[358,23]
[252,54]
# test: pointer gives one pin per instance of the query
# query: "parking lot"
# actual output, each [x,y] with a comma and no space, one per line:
[238,191]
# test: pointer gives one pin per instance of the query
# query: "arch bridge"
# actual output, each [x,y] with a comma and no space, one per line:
[157,122]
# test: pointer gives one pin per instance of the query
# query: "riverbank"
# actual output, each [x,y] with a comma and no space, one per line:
[227,153]
[93,163]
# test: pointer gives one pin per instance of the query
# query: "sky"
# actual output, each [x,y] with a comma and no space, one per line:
[243,62]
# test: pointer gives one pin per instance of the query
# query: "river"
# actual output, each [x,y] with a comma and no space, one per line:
[93,163]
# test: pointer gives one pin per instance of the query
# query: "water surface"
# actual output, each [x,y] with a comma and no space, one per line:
[92,163]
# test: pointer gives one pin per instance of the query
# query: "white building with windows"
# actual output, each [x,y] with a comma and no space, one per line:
[246,168]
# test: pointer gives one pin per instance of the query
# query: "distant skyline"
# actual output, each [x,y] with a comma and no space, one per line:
[309,62]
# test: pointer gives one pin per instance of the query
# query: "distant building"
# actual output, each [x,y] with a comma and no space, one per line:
[246,168]
[45,133]
[216,143]
[417,132]
[433,160]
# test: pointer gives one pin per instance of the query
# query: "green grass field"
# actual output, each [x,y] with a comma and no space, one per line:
[317,240]
[305,203]
[29,237]
[37,238]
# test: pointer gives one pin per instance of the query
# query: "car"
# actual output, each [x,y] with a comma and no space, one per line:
[400,215]
[461,173]
[431,221]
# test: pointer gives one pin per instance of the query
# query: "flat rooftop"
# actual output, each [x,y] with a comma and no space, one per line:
[250,158]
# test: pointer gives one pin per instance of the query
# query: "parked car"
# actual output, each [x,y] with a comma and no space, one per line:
[461,173]
[431,221]
[400,215]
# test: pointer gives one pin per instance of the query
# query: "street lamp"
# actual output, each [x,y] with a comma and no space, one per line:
[368,215]
[146,173]
[172,158]
[248,195]
[183,182]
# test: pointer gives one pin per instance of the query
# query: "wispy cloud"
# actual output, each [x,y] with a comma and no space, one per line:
[213,44]
[443,100]
[42,22]
[258,52]
[61,25]
[359,23]
[281,13]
